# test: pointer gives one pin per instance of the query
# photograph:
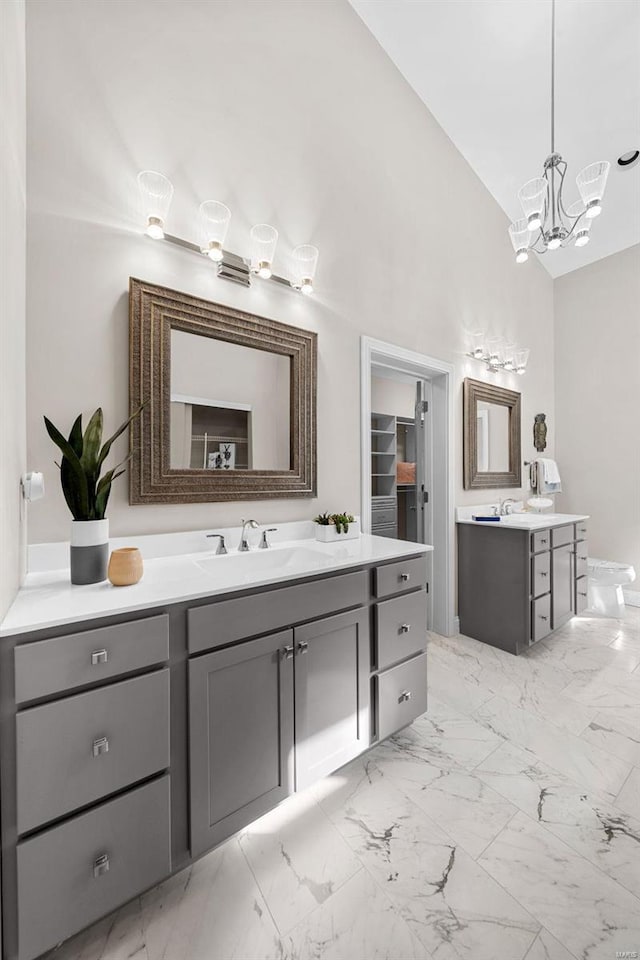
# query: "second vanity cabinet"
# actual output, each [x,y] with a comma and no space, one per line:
[516,586]
[134,744]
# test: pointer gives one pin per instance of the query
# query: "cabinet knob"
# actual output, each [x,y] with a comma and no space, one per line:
[544,573]
[303,647]
[542,617]
[582,558]
[287,653]
[99,656]
[100,746]
[405,627]
[101,865]
[404,696]
[543,541]
[405,577]
[582,593]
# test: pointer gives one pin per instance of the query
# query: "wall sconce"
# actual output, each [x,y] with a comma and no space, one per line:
[156,193]
[498,354]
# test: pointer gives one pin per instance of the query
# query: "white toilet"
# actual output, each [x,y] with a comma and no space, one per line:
[605,586]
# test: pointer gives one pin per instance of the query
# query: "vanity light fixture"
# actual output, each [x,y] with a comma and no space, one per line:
[498,354]
[548,222]
[156,193]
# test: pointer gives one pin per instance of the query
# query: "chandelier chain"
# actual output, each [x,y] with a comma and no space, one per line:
[553,76]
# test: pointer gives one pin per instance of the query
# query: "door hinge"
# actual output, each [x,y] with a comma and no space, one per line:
[425,496]
[424,406]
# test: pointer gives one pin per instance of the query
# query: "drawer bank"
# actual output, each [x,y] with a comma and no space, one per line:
[135,743]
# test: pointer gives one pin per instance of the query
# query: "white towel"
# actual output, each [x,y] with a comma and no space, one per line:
[549,468]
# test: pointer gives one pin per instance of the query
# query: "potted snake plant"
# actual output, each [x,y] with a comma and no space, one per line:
[86,492]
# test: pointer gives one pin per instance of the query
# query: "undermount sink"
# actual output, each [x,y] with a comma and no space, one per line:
[239,565]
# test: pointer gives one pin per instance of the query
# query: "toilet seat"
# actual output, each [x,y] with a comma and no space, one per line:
[609,572]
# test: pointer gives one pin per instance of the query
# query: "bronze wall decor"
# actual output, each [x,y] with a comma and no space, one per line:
[474,479]
[540,432]
[153,313]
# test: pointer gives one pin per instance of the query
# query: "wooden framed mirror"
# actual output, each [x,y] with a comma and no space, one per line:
[491,425]
[230,400]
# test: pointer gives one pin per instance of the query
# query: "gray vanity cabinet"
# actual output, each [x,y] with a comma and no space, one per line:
[240,735]
[516,586]
[331,694]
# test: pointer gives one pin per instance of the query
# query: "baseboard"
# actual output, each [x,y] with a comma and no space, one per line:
[631,597]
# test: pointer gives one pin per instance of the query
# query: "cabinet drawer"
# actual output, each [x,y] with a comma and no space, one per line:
[582,594]
[64,885]
[62,663]
[540,617]
[383,518]
[400,577]
[402,695]
[541,574]
[582,558]
[582,530]
[562,535]
[401,628]
[216,624]
[391,532]
[63,761]
[382,503]
[540,540]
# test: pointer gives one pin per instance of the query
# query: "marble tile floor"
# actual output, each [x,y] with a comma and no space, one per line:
[504,824]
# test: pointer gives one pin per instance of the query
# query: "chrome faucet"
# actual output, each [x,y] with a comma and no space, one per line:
[244,543]
[264,543]
[221,548]
[505,506]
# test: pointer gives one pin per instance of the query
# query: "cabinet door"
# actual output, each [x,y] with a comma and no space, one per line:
[331,694]
[563,596]
[240,735]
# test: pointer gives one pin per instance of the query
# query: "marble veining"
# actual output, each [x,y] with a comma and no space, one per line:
[504,824]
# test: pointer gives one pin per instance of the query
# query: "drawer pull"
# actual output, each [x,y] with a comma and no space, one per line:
[405,627]
[404,696]
[544,573]
[99,656]
[303,647]
[582,593]
[100,746]
[582,558]
[101,865]
[287,653]
[542,616]
[543,541]
[405,577]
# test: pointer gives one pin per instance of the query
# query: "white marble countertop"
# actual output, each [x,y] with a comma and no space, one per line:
[526,521]
[48,599]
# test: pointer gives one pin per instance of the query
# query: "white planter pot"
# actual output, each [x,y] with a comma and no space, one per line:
[89,551]
[329,534]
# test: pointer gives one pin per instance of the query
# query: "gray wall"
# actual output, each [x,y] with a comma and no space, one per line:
[12,296]
[597,346]
[291,113]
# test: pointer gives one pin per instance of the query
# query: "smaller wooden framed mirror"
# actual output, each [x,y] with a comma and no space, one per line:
[491,424]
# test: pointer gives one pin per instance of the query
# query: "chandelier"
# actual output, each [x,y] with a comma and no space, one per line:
[547,224]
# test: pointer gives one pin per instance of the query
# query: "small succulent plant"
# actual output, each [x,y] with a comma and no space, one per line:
[83,454]
[341,521]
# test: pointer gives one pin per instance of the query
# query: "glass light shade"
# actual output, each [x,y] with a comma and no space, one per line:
[477,345]
[304,261]
[495,347]
[156,193]
[554,243]
[521,238]
[521,358]
[582,228]
[263,247]
[533,197]
[591,183]
[214,220]
[508,355]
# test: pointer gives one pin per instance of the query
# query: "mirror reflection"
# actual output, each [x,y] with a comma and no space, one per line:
[230,406]
[492,426]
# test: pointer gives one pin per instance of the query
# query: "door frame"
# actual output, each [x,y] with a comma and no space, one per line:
[440,467]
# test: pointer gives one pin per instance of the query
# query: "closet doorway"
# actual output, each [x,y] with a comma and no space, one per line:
[406,429]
